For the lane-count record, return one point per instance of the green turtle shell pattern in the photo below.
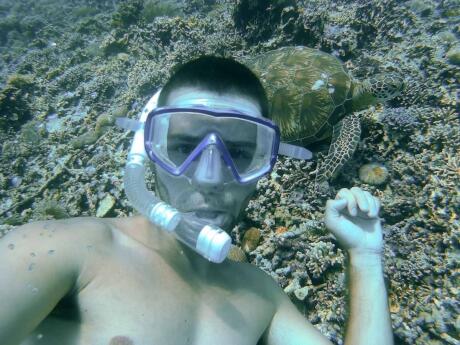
(306, 89)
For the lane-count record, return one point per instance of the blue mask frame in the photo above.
(211, 138)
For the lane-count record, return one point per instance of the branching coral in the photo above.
(399, 120)
(321, 256)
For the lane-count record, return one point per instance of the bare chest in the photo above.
(136, 302)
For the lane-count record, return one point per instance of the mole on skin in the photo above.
(121, 340)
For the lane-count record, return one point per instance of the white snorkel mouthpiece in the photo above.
(208, 240)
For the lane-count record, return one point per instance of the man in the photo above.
(125, 281)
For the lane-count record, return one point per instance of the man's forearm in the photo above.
(369, 321)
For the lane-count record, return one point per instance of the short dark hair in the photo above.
(217, 74)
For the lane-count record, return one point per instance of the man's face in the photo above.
(207, 188)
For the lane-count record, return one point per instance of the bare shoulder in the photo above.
(64, 233)
(260, 281)
(66, 240)
(41, 262)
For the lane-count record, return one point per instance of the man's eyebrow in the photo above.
(243, 143)
(184, 137)
(189, 137)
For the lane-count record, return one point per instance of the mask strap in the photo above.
(129, 124)
(293, 151)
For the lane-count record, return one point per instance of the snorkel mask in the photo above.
(232, 146)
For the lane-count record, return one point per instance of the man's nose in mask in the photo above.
(211, 170)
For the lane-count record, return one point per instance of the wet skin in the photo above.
(121, 340)
(137, 286)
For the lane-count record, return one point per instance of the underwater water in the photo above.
(68, 69)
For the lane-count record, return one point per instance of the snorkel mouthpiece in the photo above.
(209, 241)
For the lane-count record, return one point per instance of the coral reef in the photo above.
(236, 254)
(69, 69)
(250, 240)
(127, 13)
(50, 209)
(373, 173)
(14, 100)
(156, 8)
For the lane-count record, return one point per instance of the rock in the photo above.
(105, 205)
(453, 55)
(293, 286)
(54, 124)
(301, 293)
(395, 307)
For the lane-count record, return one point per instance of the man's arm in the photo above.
(369, 321)
(40, 263)
(353, 219)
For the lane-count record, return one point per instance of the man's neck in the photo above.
(161, 242)
(200, 265)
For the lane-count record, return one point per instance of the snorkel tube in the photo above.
(207, 240)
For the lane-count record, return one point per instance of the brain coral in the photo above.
(374, 174)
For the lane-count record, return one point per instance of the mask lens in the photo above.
(178, 138)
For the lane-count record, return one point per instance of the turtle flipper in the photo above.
(345, 138)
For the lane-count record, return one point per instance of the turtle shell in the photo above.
(306, 89)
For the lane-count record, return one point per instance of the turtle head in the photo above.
(385, 86)
(376, 89)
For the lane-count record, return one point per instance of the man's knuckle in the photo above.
(342, 191)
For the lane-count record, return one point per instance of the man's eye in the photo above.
(240, 153)
(182, 148)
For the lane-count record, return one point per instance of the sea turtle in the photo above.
(312, 97)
